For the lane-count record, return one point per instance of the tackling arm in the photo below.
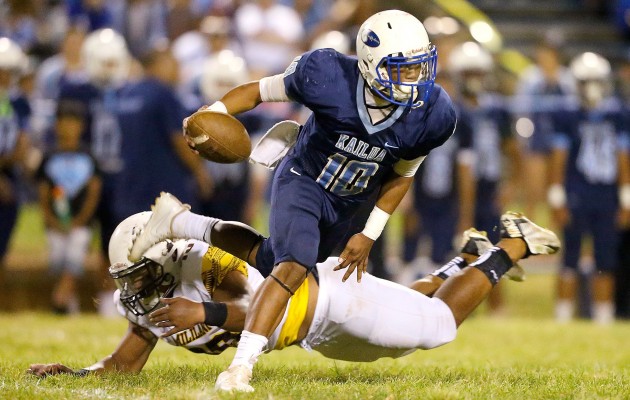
(130, 356)
(228, 308)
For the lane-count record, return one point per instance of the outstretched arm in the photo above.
(130, 356)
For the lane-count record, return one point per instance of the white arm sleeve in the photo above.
(272, 88)
(408, 168)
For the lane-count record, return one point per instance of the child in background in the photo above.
(69, 192)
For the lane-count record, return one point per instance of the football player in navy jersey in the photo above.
(442, 196)
(14, 114)
(590, 183)
(106, 60)
(484, 116)
(374, 120)
(149, 115)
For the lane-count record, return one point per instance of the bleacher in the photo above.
(523, 22)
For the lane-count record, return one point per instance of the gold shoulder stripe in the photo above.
(216, 264)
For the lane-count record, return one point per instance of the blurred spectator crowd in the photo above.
(93, 92)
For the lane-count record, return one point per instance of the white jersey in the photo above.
(374, 319)
(202, 267)
(352, 321)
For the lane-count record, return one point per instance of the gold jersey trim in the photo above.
(295, 317)
(216, 264)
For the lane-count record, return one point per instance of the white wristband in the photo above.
(375, 223)
(217, 106)
(556, 196)
(624, 196)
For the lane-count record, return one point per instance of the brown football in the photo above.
(218, 137)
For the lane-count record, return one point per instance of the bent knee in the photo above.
(443, 327)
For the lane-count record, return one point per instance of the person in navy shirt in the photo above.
(374, 120)
(442, 196)
(14, 115)
(233, 185)
(149, 116)
(590, 183)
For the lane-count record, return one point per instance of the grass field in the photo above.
(512, 358)
(525, 355)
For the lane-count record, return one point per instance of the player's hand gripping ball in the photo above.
(217, 137)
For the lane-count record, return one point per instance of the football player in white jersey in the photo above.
(195, 295)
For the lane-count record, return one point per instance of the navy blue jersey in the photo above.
(438, 173)
(101, 132)
(338, 146)
(593, 139)
(70, 171)
(14, 115)
(489, 123)
(149, 115)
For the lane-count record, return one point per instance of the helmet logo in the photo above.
(370, 38)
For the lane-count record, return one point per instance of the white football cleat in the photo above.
(476, 243)
(538, 239)
(234, 379)
(159, 226)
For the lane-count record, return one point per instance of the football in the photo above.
(218, 137)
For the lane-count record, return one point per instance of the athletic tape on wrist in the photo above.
(375, 224)
(215, 313)
(624, 196)
(556, 196)
(217, 106)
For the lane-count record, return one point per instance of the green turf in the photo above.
(525, 356)
(514, 358)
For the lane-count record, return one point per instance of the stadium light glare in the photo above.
(441, 26)
(482, 32)
(433, 25)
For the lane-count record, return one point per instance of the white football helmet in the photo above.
(470, 56)
(589, 67)
(141, 284)
(12, 57)
(470, 66)
(593, 73)
(222, 72)
(390, 43)
(105, 57)
(336, 40)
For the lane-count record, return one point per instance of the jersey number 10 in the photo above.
(345, 178)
